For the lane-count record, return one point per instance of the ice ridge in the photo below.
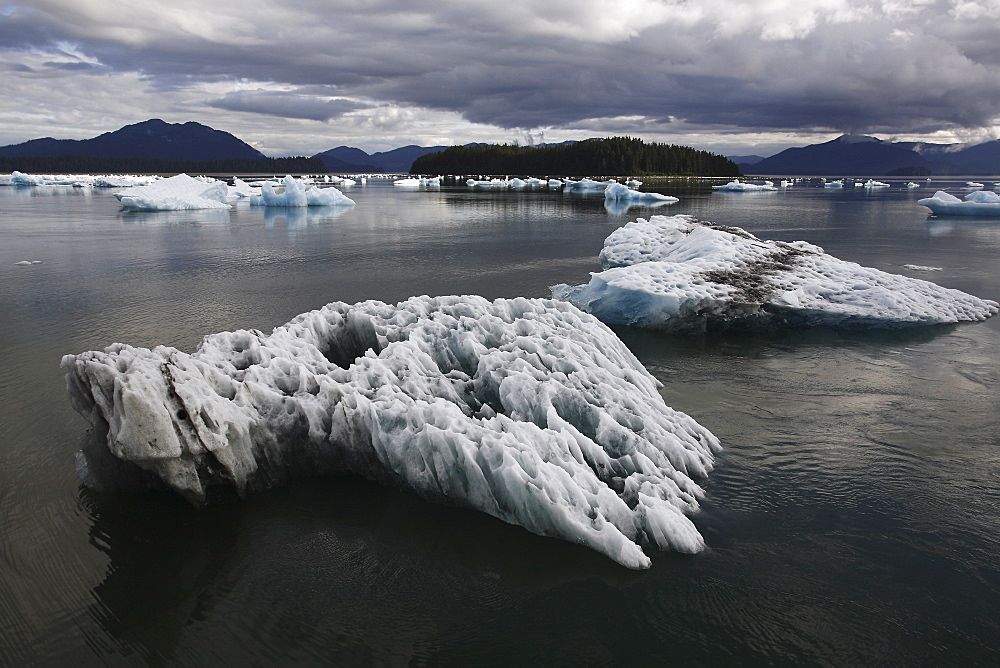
(528, 410)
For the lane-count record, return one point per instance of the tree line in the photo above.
(594, 157)
(83, 164)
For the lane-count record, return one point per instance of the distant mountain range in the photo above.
(848, 155)
(861, 155)
(150, 139)
(354, 160)
(157, 139)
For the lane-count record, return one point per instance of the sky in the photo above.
(735, 77)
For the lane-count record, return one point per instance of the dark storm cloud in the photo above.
(860, 65)
(285, 105)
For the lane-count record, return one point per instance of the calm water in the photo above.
(854, 516)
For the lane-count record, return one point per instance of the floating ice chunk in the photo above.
(737, 186)
(27, 263)
(677, 273)
(979, 203)
(555, 183)
(241, 189)
(633, 183)
(295, 194)
(871, 183)
(589, 185)
(618, 191)
(920, 267)
(526, 409)
(407, 183)
(176, 193)
(973, 184)
(833, 184)
(911, 184)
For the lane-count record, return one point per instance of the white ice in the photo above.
(180, 192)
(979, 203)
(526, 409)
(241, 190)
(833, 184)
(296, 194)
(407, 183)
(737, 186)
(589, 185)
(677, 273)
(871, 183)
(617, 191)
(78, 180)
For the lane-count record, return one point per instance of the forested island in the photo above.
(83, 164)
(593, 157)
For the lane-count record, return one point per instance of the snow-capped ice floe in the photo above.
(180, 192)
(871, 183)
(618, 191)
(738, 186)
(978, 203)
(679, 274)
(296, 194)
(526, 409)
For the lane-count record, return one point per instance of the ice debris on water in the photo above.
(676, 273)
(296, 194)
(526, 409)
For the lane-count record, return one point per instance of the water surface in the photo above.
(852, 518)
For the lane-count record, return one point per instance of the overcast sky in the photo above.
(730, 76)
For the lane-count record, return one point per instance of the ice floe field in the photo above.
(475, 420)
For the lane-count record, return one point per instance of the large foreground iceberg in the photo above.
(177, 193)
(528, 410)
(677, 273)
(295, 194)
(979, 203)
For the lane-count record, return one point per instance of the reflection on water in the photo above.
(852, 517)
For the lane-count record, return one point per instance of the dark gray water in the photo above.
(854, 516)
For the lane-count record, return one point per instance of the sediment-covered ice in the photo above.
(296, 194)
(177, 193)
(677, 273)
(978, 203)
(526, 409)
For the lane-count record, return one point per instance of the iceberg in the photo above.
(737, 186)
(407, 183)
(526, 409)
(241, 190)
(679, 274)
(871, 183)
(979, 203)
(589, 185)
(618, 194)
(833, 184)
(177, 193)
(295, 194)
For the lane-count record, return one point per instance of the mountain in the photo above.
(745, 159)
(396, 161)
(861, 155)
(149, 139)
